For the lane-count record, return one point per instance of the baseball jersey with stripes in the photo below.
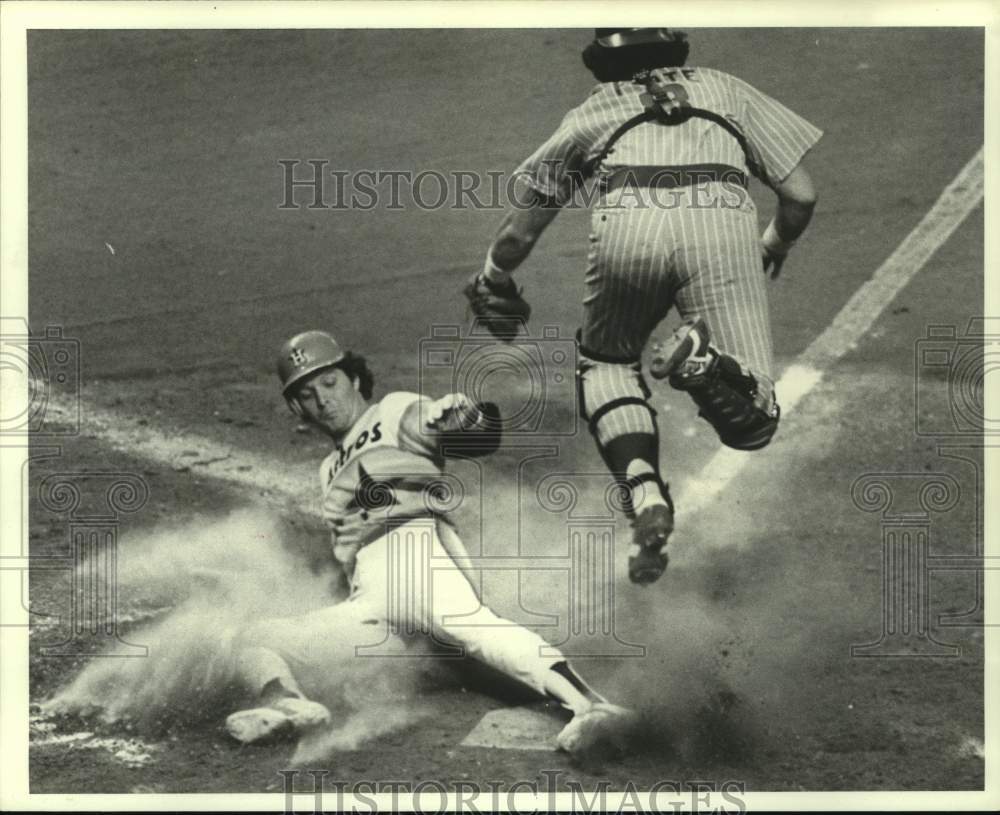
(777, 137)
(653, 250)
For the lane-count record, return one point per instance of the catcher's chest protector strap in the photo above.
(728, 400)
(655, 113)
(648, 115)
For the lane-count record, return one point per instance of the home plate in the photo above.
(518, 728)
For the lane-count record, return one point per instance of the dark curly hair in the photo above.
(356, 367)
(622, 63)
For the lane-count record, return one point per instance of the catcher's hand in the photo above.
(773, 262)
(774, 249)
(499, 307)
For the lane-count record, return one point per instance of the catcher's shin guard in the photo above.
(729, 398)
(613, 397)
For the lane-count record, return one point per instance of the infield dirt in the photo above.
(156, 239)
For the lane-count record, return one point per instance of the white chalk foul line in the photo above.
(291, 486)
(857, 316)
(132, 752)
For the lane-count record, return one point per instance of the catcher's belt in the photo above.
(668, 178)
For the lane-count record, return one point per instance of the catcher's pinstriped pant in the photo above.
(645, 259)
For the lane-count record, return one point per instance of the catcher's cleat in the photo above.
(686, 348)
(604, 722)
(285, 717)
(652, 528)
(741, 407)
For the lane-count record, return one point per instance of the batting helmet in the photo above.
(304, 354)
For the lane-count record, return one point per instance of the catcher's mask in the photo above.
(616, 54)
(303, 355)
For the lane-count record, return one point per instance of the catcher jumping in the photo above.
(670, 147)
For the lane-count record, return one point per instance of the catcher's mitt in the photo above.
(498, 307)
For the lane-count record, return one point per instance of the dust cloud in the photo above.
(741, 633)
(214, 576)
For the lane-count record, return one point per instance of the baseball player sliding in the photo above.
(670, 147)
(388, 524)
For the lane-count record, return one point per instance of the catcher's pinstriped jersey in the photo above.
(694, 247)
(777, 137)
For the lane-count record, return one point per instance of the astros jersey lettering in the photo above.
(380, 470)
